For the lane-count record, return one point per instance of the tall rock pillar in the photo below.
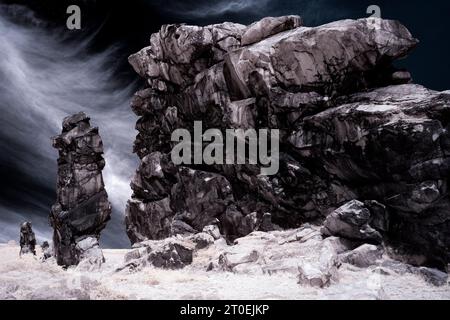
(82, 207)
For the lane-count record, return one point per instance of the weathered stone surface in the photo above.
(276, 252)
(269, 26)
(82, 207)
(212, 230)
(398, 267)
(351, 221)
(364, 256)
(27, 239)
(228, 261)
(90, 256)
(392, 143)
(319, 272)
(202, 240)
(200, 197)
(148, 220)
(179, 52)
(299, 255)
(433, 276)
(171, 253)
(318, 59)
(351, 125)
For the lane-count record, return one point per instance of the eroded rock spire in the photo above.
(82, 207)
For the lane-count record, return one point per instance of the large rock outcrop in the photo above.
(352, 127)
(82, 207)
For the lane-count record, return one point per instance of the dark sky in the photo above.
(47, 72)
(131, 22)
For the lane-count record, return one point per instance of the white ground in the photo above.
(28, 278)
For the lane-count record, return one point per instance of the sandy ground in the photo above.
(29, 278)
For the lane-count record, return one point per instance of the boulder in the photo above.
(273, 252)
(202, 240)
(351, 221)
(170, 253)
(322, 271)
(364, 256)
(228, 261)
(433, 276)
(213, 231)
(89, 254)
(398, 267)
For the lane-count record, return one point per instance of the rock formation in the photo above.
(47, 252)
(82, 208)
(27, 239)
(351, 221)
(352, 129)
(296, 253)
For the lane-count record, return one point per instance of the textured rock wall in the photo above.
(82, 208)
(352, 127)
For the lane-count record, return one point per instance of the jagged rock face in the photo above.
(82, 208)
(391, 144)
(27, 239)
(352, 127)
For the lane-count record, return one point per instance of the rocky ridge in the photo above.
(355, 134)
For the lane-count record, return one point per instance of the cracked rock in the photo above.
(322, 271)
(352, 126)
(351, 221)
(82, 208)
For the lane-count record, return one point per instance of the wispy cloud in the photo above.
(43, 78)
(219, 8)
